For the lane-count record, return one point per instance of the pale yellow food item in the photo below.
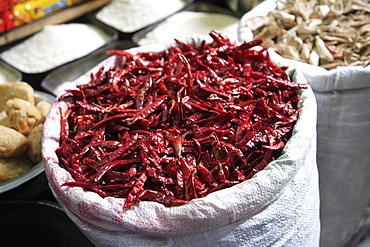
(21, 90)
(44, 108)
(21, 124)
(4, 120)
(23, 115)
(34, 141)
(11, 168)
(12, 143)
(325, 33)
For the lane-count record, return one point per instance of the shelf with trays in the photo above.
(61, 16)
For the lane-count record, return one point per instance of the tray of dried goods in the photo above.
(128, 17)
(196, 20)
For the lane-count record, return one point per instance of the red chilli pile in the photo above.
(177, 125)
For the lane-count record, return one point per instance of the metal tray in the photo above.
(60, 78)
(195, 7)
(128, 35)
(113, 36)
(60, 16)
(9, 73)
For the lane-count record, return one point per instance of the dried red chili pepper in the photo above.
(180, 124)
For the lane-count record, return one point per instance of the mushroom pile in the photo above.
(325, 33)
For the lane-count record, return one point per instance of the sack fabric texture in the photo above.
(343, 143)
(343, 156)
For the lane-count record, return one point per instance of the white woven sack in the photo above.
(343, 151)
(279, 206)
(343, 99)
(343, 137)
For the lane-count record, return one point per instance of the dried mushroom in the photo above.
(326, 33)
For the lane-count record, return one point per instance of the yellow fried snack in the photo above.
(4, 120)
(12, 143)
(13, 167)
(21, 90)
(34, 141)
(44, 108)
(21, 124)
(23, 115)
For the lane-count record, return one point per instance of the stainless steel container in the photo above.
(242, 6)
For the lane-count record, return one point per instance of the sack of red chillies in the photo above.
(188, 144)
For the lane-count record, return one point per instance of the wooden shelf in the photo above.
(61, 16)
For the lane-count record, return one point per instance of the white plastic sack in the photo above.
(343, 134)
(279, 206)
(343, 99)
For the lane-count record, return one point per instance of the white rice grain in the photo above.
(131, 15)
(187, 24)
(53, 46)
